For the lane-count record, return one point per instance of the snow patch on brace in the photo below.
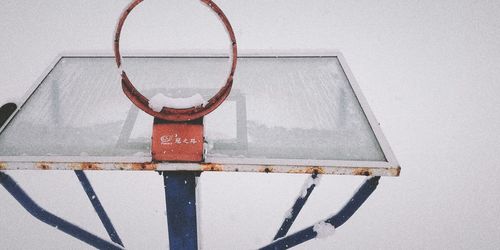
(309, 182)
(323, 229)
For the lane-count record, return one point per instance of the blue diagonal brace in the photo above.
(99, 209)
(294, 212)
(337, 220)
(50, 219)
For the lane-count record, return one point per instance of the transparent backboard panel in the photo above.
(300, 108)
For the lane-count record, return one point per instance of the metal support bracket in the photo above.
(180, 197)
(99, 209)
(295, 210)
(51, 219)
(361, 195)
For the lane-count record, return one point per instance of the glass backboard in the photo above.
(287, 114)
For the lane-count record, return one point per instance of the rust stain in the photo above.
(43, 165)
(296, 171)
(362, 171)
(144, 166)
(212, 167)
(395, 171)
(266, 169)
(308, 170)
(316, 170)
(3, 165)
(122, 166)
(89, 166)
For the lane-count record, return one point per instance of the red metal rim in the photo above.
(173, 114)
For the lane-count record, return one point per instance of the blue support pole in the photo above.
(180, 198)
(337, 220)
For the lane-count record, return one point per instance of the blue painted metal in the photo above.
(337, 220)
(180, 198)
(99, 209)
(50, 219)
(6, 111)
(299, 203)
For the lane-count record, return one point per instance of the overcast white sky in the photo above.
(429, 70)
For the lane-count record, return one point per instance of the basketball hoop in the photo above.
(177, 124)
(168, 113)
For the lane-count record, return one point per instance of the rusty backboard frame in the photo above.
(389, 167)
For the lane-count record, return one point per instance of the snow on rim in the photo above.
(159, 101)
